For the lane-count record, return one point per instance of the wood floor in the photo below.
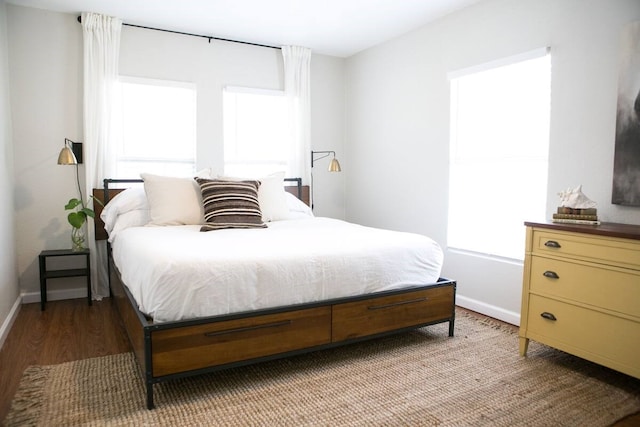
(72, 330)
(66, 330)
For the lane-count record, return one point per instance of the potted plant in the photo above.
(77, 219)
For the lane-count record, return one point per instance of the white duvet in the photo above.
(178, 272)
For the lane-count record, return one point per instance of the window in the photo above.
(499, 144)
(155, 123)
(256, 132)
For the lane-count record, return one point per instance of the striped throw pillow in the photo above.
(230, 204)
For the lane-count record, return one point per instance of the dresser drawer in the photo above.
(201, 346)
(602, 338)
(373, 316)
(616, 290)
(620, 252)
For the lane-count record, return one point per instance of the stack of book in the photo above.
(576, 216)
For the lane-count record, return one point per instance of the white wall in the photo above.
(45, 63)
(8, 267)
(46, 81)
(398, 119)
(327, 133)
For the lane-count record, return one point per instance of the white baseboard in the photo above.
(488, 310)
(8, 322)
(55, 295)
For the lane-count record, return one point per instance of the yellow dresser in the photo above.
(581, 292)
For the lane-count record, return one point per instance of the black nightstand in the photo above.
(69, 272)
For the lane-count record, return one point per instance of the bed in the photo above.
(326, 283)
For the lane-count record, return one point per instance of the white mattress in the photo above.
(178, 272)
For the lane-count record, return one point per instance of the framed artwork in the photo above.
(626, 165)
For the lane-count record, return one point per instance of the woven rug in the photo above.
(418, 378)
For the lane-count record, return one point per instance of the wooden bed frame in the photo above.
(171, 350)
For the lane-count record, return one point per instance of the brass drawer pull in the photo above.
(411, 301)
(551, 274)
(548, 316)
(552, 244)
(248, 328)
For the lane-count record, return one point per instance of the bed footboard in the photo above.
(172, 350)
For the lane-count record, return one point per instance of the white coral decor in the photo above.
(575, 198)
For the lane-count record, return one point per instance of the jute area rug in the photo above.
(418, 378)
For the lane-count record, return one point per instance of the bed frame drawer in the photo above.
(203, 346)
(374, 316)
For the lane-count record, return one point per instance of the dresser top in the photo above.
(611, 229)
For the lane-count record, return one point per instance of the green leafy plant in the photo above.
(78, 217)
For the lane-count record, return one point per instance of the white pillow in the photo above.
(271, 196)
(173, 201)
(128, 200)
(272, 199)
(297, 206)
(133, 218)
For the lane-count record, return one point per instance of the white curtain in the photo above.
(101, 36)
(297, 86)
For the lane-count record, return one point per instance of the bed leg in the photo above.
(150, 404)
(451, 325)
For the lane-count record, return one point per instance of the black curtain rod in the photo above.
(195, 35)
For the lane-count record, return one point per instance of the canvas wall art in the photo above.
(626, 167)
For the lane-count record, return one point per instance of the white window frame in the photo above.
(185, 163)
(495, 230)
(236, 164)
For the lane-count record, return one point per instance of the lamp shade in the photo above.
(334, 165)
(67, 157)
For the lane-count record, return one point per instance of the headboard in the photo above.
(291, 185)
